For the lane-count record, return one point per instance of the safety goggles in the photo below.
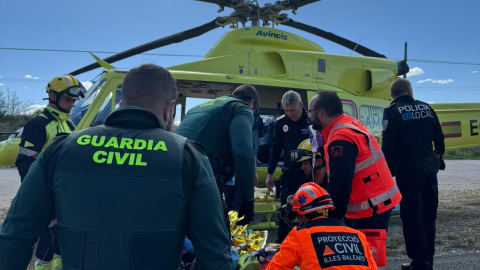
(74, 91)
(296, 155)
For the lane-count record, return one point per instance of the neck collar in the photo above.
(59, 115)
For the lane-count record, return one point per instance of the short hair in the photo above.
(148, 86)
(400, 87)
(291, 97)
(246, 93)
(328, 101)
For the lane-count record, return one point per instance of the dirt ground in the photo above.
(458, 219)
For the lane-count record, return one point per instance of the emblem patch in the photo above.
(285, 128)
(385, 124)
(336, 151)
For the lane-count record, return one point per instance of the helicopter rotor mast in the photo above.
(244, 11)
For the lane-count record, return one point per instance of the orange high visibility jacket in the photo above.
(373, 187)
(324, 243)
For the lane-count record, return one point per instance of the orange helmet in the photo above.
(311, 197)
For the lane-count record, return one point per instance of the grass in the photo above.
(469, 153)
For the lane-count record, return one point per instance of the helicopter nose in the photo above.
(403, 67)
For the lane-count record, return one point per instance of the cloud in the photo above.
(87, 84)
(447, 81)
(475, 71)
(437, 81)
(28, 76)
(33, 108)
(415, 71)
(1, 84)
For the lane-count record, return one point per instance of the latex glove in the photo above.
(269, 181)
(187, 244)
(246, 211)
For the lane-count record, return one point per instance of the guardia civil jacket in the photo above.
(224, 126)
(125, 195)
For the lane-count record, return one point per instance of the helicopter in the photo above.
(274, 61)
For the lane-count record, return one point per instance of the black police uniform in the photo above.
(409, 127)
(125, 195)
(288, 135)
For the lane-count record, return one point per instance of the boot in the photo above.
(406, 266)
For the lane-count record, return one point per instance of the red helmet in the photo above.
(311, 197)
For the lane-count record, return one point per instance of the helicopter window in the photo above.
(349, 108)
(321, 66)
(103, 112)
(372, 117)
(82, 105)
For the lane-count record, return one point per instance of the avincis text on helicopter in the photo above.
(271, 34)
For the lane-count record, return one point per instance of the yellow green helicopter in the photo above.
(274, 61)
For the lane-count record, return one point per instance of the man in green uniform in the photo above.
(125, 193)
(224, 126)
(37, 134)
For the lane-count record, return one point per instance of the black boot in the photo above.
(407, 266)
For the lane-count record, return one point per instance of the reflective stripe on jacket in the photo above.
(373, 188)
(324, 243)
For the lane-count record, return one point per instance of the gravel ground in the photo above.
(458, 222)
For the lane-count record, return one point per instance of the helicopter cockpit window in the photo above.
(82, 105)
(106, 107)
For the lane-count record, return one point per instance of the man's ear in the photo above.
(167, 110)
(251, 104)
(300, 104)
(52, 96)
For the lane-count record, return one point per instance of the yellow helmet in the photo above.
(303, 152)
(66, 85)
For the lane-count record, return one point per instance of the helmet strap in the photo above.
(55, 102)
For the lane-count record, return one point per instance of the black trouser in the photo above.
(376, 221)
(290, 182)
(417, 181)
(221, 189)
(48, 244)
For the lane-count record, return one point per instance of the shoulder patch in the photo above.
(281, 117)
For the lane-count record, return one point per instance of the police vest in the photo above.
(208, 124)
(373, 188)
(107, 172)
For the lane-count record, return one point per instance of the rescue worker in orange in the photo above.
(321, 242)
(360, 183)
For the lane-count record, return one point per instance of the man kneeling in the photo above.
(320, 242)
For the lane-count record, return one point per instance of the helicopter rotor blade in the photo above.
(300, 3)
(218, 2)
(175, 38)
(334, 38)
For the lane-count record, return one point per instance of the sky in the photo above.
(443, 38)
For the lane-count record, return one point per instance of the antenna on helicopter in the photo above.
(356, 45)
